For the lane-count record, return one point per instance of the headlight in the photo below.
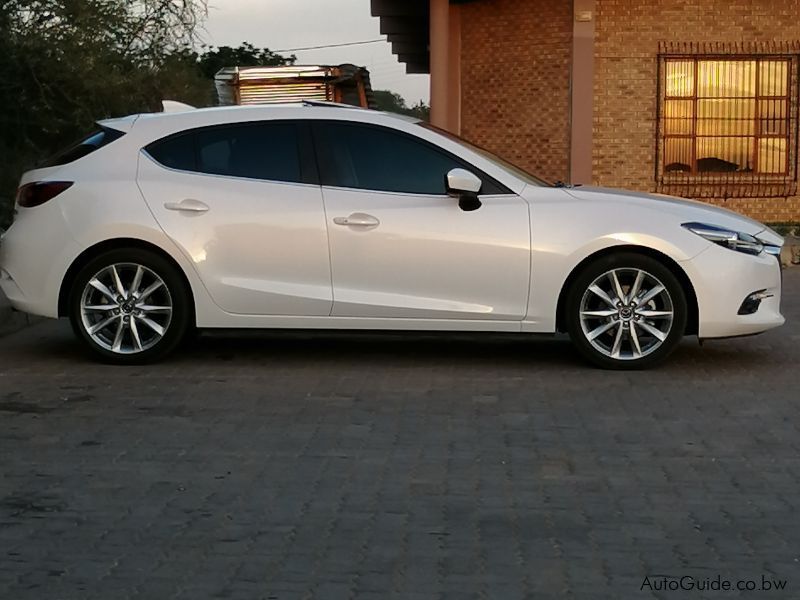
(734, 240)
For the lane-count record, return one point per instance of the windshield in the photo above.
(493, 158)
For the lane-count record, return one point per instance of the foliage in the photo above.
(394, 102)
(389, 101)
(246, 55)
(421, 111)
(66, 63)
(785, 228)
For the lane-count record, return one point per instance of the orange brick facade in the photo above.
(516, 64)
(515, 81)
(627, 34)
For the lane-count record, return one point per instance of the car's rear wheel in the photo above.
(130, 306)
(626, 311)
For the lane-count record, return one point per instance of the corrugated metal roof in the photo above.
(267, 85)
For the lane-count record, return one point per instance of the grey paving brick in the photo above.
(292, 466)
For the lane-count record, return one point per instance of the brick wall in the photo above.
(515, 80)
(627, 34)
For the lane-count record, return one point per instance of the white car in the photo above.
(313, 216)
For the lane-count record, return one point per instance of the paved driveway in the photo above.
(297, 466)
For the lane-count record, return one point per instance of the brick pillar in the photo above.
(582, 92)
(439, 46)
(454, 72)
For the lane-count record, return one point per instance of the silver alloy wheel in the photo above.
(626, 314)
(126, 308)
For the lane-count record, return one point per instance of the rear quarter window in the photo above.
(175, 152)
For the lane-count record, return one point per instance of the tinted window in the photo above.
(268, 151)
(93, 141)
(376, 158)
(176, 152)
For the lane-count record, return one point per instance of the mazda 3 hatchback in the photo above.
(310, 216)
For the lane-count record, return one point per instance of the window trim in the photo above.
(322, 155)
(309, 172)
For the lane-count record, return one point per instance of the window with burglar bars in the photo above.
(728, 125)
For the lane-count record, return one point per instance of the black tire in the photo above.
(625, 325)
(174, 292)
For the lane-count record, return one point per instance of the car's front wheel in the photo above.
(626, 311)
(130, 306)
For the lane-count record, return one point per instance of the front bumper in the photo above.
(723, 279)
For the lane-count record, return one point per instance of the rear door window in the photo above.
(270, 151)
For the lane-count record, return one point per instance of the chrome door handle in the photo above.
(357, 220)
(187, 205)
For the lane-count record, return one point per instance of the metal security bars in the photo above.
(727, 122)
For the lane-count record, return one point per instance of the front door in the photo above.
(401, 248)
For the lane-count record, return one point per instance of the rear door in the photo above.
(243, 203)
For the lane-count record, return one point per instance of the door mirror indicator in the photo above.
(465, 186)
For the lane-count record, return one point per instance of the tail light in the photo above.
(37, 193)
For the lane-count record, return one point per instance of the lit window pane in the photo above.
(772, 155)
(680, 78)
(726, 78)
(726, 117)
(725, 154)
(773, 109)
(773, 77)
(677, 155)
(678, 116)
(773, 117)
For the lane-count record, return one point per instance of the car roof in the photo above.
(188, 117)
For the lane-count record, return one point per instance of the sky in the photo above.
(283, 24)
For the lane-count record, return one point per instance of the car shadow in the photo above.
(425, 349)
(53, 343)
(380, 348)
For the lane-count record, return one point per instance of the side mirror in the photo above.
(465, 186)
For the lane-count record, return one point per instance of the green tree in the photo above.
(66, 63)
(393, 102)
(390, 101)
(421, 111)
(211, 60)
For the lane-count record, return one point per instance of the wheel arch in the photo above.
(667, 261)
(116, 244)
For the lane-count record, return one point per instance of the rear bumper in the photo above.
(33, 264)
(11, 290)
(723, 280)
